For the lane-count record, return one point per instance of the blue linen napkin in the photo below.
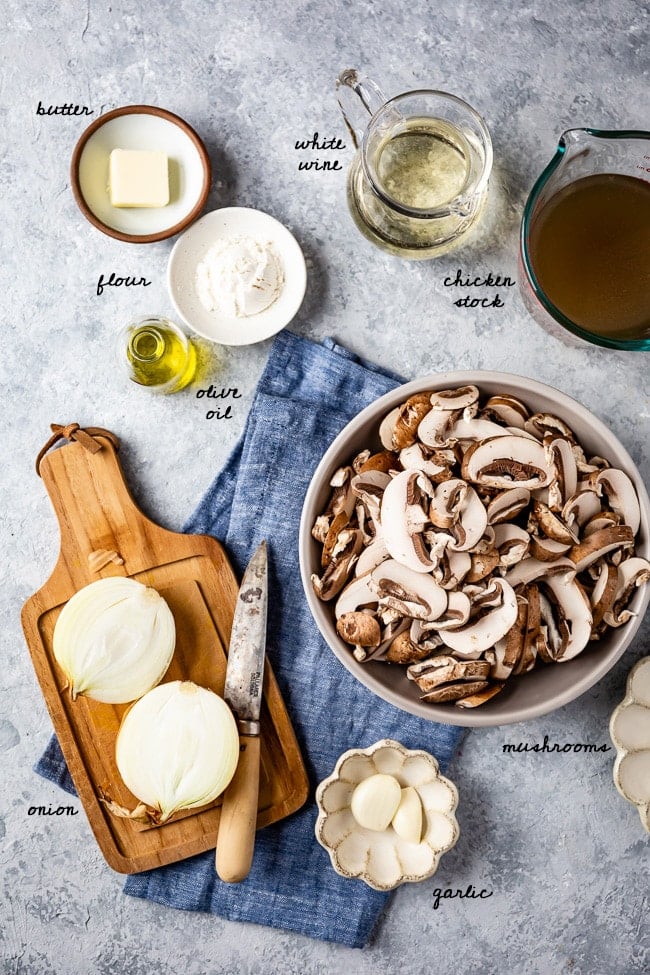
(305, 396)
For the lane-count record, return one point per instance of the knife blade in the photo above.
(243, 692)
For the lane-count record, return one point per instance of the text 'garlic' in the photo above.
(114, 640)
(177, 748)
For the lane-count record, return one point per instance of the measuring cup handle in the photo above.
(355, 93)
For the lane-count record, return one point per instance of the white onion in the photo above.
(114, 640)
(177, 748)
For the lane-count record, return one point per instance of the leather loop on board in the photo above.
(86, 436)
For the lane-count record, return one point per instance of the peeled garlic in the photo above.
(114, 640)
(407, 821)
(375, 801)
(177, 748)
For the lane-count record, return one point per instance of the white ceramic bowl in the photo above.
(190, 249)
(530, 695)
(141, 127)
(630, 732)
(384, 860)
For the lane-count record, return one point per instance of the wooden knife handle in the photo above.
(236, 838)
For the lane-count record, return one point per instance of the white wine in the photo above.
(423, 163)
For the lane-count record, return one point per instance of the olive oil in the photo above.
(589, 249)
(159, 355)
(424, 163)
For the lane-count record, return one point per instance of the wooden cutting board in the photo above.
(98, 517)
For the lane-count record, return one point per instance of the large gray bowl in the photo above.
(530, 695)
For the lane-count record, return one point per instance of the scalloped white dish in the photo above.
(384, 860)
(630, 731)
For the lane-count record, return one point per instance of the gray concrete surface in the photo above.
(565, 856)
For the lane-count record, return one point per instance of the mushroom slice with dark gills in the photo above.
(507, 651)
(551, 525)
(506, 462)
(435, 464)
(506, 505)
(411, 593)
(561, 459)
(512, 544)
(342, 559)
(541, 425)
(482, 632)
(631, 574)
(404, 650)
(621, 495)
(507, 409)
(570, 619)
(603, 594)
(600, 543)
(341, 501)
(403, 516)
(444, 678)
(457, 507)
(480, 697)
(454, 399)
(409, 416)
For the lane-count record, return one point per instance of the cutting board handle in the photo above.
(103, 533)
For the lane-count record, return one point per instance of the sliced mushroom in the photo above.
(408, 419)
(330, 540)
(355, 595)
(344, 554)
(387, 428)
(543, 424)
(455, 692)
(560, 456)
(509, 649)
(480, 697)
(547, 549)
(506, 505)
(512, 544)
(483, 565)
(504, 462)
(457, 612)
(454, 399)
(404, 651)
(430, 674)
(575, 613)
(507, 409)
(410, 593)
(475, 428)
(384, 461)
(621, 495)
(603, 594)
(551, 524)
(579, 508)
(603, 520)
(360, 629)
(430, 462)
(600, 543)
(631, 574)
(373, 555)
(403, 517)
(530, 569)
(485, 631)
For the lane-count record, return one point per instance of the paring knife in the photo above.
(243, 692)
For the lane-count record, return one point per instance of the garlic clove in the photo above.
(375, 801)
(407, 821)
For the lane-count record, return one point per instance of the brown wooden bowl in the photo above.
(141, 127)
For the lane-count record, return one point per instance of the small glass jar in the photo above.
(155, 353)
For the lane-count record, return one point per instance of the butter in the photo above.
(138, 178)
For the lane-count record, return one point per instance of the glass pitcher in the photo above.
(419, 180)
(585, 240)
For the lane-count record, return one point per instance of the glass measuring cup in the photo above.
(605, 298)
(419, 180)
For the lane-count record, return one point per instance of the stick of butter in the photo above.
(138, 178)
